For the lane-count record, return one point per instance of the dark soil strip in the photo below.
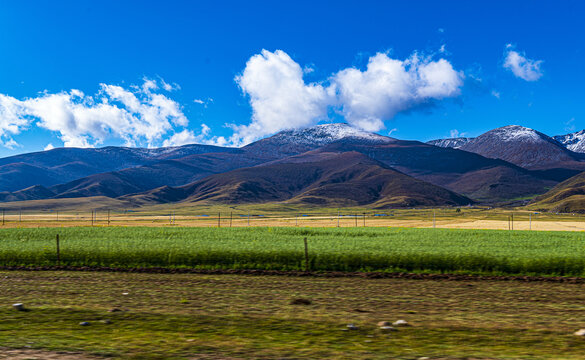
(324, 274)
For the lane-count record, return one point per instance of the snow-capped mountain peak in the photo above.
(516, 133)
(328, 133)
(454, 143)
(573, 141)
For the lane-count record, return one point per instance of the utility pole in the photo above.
(364, 219)
(530, 222)
(219, 219)
(337, 217)
(92, 217)
(108, 217)
(355, 216)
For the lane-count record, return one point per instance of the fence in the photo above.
(427, 218)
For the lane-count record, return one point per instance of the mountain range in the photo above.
(325, 165)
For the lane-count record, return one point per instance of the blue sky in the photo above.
(200, 51)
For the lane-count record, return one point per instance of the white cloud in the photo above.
(49, 147)
(279, 96)
(281, 99)
(520, 66)
(11, 121)
(189, 137)
(455, 133)
(496, 94)
(389, 86)
(139, 115)
(205, 102)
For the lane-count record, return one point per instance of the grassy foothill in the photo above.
(330, 249)
(190, 316)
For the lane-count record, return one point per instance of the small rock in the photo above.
(352, 327)
(400, 323)
(18, 306)
(387, 328)
(115, 310)
(84, 323)
(383, 323)
(580, 332)
(424, 358)
(124, 293)
(301, 302)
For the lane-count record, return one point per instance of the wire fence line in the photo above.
(435, 218)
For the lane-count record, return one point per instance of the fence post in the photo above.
(58, 252)
(306, 256)
(434, 220)
(219, 219)
(92, 217)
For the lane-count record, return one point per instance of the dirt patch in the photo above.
(31, 354)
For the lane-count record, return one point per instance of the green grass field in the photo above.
(330, 249)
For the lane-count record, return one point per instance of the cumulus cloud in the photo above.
(522, 67)
(138, 115)
(281, 99)
(279, 96)
(389, 86)
(455, 133)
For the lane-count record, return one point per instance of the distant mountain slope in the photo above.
(332, 179)
(454, 143)
(469, 174)
(568, 196)
(36, 192)
(292, 142)
(524, 147)
(62, 165)
(573, 141)
(463, 172)
(184, 170)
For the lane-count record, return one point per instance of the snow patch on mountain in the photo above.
(328, 133)
(454, 143)
(573, 141)
(516, 133)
